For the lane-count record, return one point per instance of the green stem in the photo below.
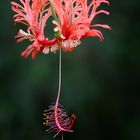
(53, 12)
(58, 33)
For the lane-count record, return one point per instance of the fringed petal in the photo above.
(33, 14)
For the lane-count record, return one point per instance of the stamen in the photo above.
(64, 120)
(55, 117)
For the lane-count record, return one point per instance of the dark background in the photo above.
(100, 83)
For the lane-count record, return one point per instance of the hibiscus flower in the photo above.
(72, 20)
(75, 21)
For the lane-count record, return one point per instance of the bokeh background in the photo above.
(100, 83)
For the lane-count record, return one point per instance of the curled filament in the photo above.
(57, 120)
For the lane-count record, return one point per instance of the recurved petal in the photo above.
(27, 51)
(102, 26)
(95, 33)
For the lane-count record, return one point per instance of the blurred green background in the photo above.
(100, 83)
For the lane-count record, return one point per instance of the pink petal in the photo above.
(102, 25)
(95, 33)
(27, 51)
